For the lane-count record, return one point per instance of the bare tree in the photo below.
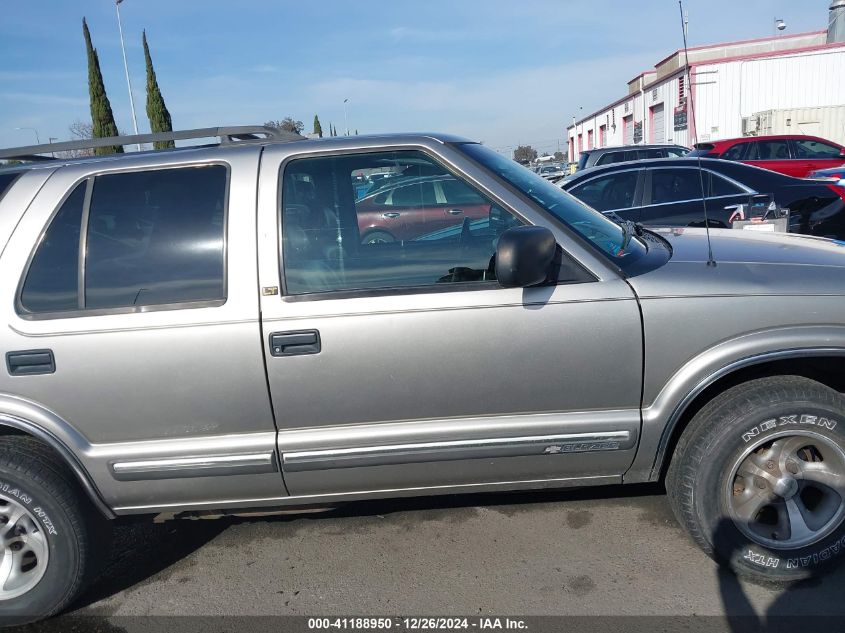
(288, 124)
(81, 131)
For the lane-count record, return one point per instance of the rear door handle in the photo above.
(390, 215)
(30, 362)
(295, 343)
(455, 211)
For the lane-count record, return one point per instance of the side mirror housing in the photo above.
(524, 256)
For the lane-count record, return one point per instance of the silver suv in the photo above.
(204, 331)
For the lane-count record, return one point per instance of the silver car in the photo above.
(202, 331)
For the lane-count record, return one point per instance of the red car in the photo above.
(417, 206)
(793, 155)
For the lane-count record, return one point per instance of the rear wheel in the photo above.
(758, 478)
(378, 237)
(47, 533)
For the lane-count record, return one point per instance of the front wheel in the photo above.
(46, 527)
(758, 478)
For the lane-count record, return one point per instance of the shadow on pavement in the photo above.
(142, 549)
(808, 604)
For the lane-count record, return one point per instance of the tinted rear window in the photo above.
(156, 237)
(582, 159)
(52, 282)
(153, 237)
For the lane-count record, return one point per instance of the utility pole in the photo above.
(34, 130)
(126, 68)
(346, 116)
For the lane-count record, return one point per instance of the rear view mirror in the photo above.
(524, 256)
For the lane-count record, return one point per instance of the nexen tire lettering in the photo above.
(783, 420)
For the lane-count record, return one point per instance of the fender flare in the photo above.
(742, 363)
(68, 457)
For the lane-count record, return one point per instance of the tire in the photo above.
(60, 525)
(378, 237)
(748, 461)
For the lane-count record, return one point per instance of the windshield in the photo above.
(598, 229)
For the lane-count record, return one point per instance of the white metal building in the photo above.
(790, 84)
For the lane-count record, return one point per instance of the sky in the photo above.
(505, 72)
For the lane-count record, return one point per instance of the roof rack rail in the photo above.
(226, 135)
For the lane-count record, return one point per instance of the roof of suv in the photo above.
(617, 148)
(327, 143)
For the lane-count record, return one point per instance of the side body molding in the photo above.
(661, 416)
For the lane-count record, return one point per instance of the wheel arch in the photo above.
(15, 425)
(823, 364)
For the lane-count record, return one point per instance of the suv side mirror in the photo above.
(524, 256)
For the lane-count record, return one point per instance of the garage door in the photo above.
(658, 134)
(628, 127)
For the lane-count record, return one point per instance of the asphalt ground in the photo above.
(613, 551)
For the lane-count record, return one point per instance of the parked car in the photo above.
(599, 156)
(668, 192)
(551, 171)
(198, 332)
(411, 207)
(793, 155)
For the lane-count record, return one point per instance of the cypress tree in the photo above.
(156, 110)
(318, 129)
(102, 118)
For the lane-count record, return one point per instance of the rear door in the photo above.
(776, 155)
(405, 366)
(135, 279)
(673, 197)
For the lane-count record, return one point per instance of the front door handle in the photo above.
(455, 211)
(390, 215)
(30, 362)
(295, 343)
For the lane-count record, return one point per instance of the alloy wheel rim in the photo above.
(25, 550)
(788, 491)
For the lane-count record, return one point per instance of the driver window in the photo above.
(384, 220)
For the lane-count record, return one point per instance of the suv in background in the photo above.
(794, 155)
(609, 155)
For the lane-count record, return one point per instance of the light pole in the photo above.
(346, 116)
(34, 130)
(126, 68)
